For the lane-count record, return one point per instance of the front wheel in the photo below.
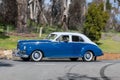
(36, 56)
(88, 56)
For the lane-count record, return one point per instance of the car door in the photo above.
(77, 44)
(62, 47)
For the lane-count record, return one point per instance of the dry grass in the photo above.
(5, 54)
(109, 56)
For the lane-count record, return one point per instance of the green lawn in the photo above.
(107, 45)
(110, 43)
(10, 42)
(110, 46)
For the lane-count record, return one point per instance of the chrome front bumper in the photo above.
(18, 53)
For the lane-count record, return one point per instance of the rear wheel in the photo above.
(36, 56)
(88, 56)
(73, 59)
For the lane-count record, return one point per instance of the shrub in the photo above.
(95, 21)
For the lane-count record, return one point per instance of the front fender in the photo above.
(93, 48)
(32, 47)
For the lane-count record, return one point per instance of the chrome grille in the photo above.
(17, 46)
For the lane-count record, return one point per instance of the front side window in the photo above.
(77, 39)
(52, 36)
(63, 38)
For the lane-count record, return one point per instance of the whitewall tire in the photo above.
(88, 56)
(36, 56)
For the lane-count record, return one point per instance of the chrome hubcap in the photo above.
(36, 55)
(88, 56)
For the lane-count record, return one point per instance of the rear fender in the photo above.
(93, 48)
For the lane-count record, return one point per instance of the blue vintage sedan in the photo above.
(58, 45)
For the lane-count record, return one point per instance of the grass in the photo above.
(10, 42)
(7, 43)
(108, 45)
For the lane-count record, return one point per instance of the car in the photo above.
(59, 45)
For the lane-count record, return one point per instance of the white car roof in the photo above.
(86, 39)
(67, 33)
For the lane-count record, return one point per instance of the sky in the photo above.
(47, 1)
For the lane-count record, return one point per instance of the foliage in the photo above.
(49, 29)
(95, 21)
(32, 26)
(108, 5)
(6, 27)
(35, 27)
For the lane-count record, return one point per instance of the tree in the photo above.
(108, 5)
(118, 2)
(65, 15)
(95, 21)
(37, 12)
(56, 11)
(22, 6)
(8, 12)
(77, 14)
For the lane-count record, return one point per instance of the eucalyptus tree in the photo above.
(8, 13)
(60, 12)
(56, 12)
(77, 12)
(70, 13)
(22, 15)
(65, 15)
(36, 11)
(118, 1)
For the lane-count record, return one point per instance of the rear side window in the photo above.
(77, 39)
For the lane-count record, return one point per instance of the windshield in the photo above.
(51, 36)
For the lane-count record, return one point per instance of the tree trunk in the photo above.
(36, 11)
(22, 16)
(65, 16)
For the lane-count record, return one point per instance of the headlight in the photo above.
(24, 47)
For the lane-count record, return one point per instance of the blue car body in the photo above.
(56, 48)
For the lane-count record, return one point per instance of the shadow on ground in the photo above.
(2, 64)
(56, 60)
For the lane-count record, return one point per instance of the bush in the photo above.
(95, 22)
